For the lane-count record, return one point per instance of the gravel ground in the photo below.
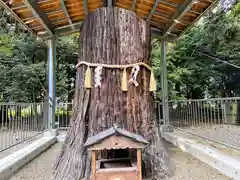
(187, 167)
(229, 134)
(41, 167)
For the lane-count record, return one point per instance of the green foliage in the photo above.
(192, 73)
(23, 62)
(30, 111)
(67, 55)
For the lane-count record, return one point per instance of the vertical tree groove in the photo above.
(112, 36)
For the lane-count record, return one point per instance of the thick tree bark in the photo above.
(112, 36)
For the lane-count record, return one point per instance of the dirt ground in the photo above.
(187, 167)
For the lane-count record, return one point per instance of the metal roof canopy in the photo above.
(169, 19)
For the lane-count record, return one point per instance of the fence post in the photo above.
(51, 81)
(224, 112)
(164, 90)
(164, 84)
(45, 113)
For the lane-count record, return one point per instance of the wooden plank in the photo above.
(138, 11)
(66, 12)
(139, 164)
(157, 16)
(166, 8)
(40, 15)
(58, 14)
(53, 4)
(134, 5)
(81, 4)
(85, 6)
(78, 18)
(47, 1)
(178, 15)
(22, 10)
(153, 10)
(196, 19)
(163, 4)
(80, 8)
(77, 14)
(94, 161)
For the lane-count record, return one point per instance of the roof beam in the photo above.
(66, 13)
(214, 2)
(28, 19)
(178, 15)
(85, 7)
(64, 30)
(60, 21)
(18, 7)
(169, 4)
(195, 12)
(44, 1)
(153, 9)
(158, 34)
(37, 27)
(134, 5)
(40, 15)
(110, 3)
(16, 16)
(161, 14)
(67, 26)
(55, 11)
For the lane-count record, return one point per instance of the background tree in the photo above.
(23, 61)
(198, 64)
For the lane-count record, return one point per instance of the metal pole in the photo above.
(110, 3)
(164, 84)
(51, 81)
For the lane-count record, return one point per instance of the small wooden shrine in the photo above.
(123, 168)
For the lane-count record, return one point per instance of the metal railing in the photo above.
(63, 115)
(19, 122)
(216, 120)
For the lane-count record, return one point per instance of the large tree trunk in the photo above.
(112, 36)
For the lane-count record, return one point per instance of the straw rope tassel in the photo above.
(88, 78)
(153, 84)
(124, 81)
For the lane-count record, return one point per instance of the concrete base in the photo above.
(227, 163)
(52, 132)
(164, 128)
(61, 138)
(61, 135)
(16, 160)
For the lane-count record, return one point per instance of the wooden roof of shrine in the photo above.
(116, 143)
(168, 18)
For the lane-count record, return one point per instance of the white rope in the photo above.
(98, 78)
(134, 74)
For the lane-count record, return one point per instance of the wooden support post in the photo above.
(139, 164)
(94, 159)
